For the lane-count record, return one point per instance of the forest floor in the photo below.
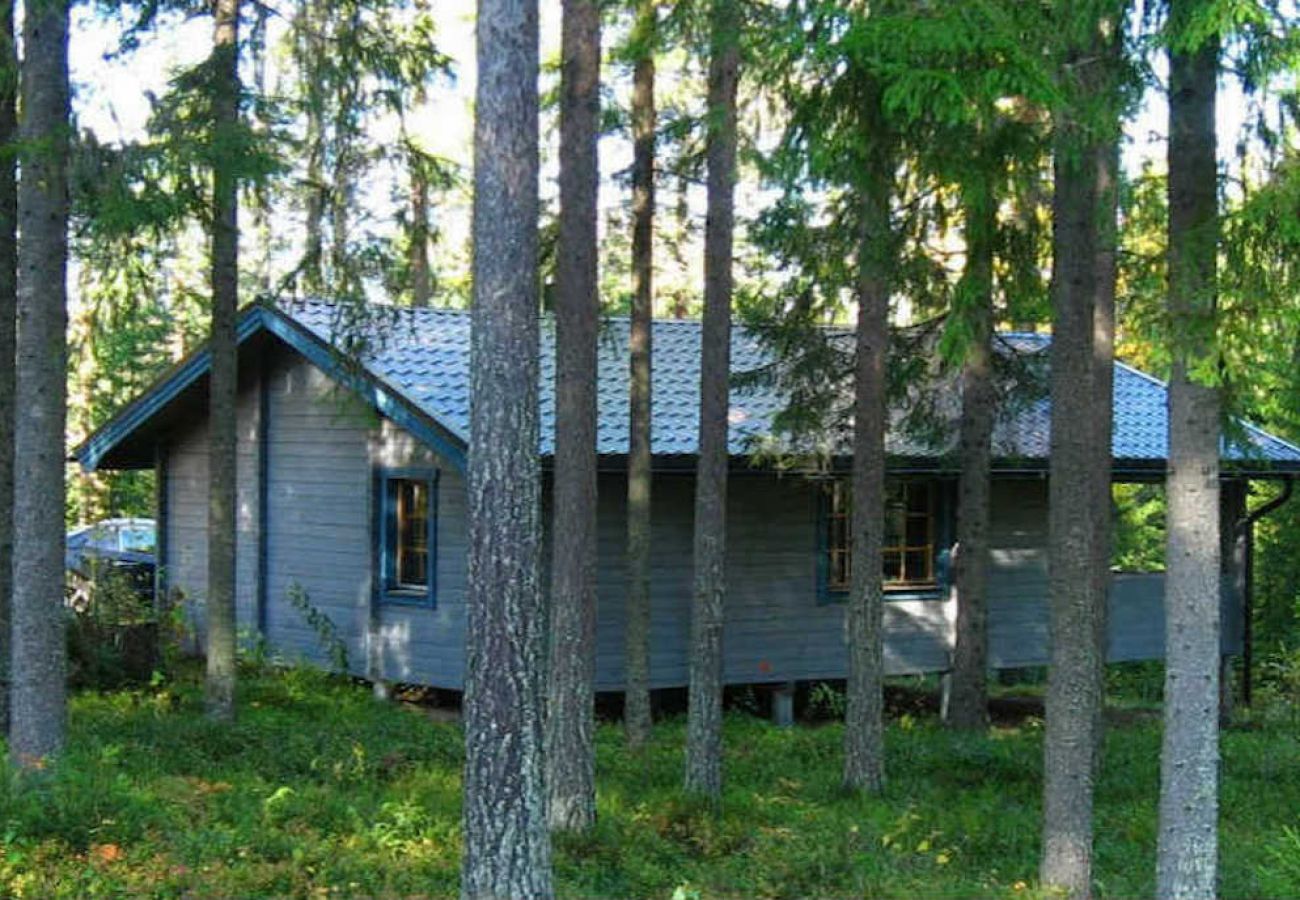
(318, 790)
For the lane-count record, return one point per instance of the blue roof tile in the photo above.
(423, 354)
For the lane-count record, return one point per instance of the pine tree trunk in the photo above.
(311, 25)
(507, 844)
(421, 271)
(38, 706)
(968, 702)
(1187, 853)
(1073, 707)
(636, 712)
(704, 723)
(864, 723)
(261, 225)
(570, 717)
(1103, 386)
(343, 279)
(8, 336)
(421, 275)
(219, 685)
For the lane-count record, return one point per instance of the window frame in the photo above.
(938, 532)
(386, 535)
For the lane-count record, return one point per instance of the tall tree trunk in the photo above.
(8, 334)
(507, 845)
(219, 686)
(421, 271)
(636, 712)
(39, 700)
(1189, 758)
(343, 277)
(704, 723)
(864, 724)
(310, 46)
(1083, 284)
(570, 747)
(262, 227)
(1103, 387)
(418, 253)
(968, 702)
(1074, 695)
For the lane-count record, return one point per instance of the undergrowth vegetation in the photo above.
(318, 789)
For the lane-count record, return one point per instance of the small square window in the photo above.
(908, 546)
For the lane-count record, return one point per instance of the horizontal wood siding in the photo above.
(187, 512)
(318, 512)
(418, 644)
(323, 449)
(322, 446)
(1018, 603)
(775, 628)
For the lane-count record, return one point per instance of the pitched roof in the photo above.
(414, 366)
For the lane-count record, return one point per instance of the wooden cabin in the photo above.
(353, 442)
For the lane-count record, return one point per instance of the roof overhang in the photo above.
(129, 439)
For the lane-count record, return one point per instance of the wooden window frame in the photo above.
(388, 536)
(835, 507)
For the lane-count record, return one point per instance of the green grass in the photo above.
(319, 790)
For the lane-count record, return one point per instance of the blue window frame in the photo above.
(915, 556)
(406, 535)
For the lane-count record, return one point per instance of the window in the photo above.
(407, 534)
(909, 537)
(137, 538)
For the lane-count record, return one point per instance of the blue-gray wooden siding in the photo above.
(323, 447)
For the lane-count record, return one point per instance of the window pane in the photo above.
(915, 567)
(840, 573)
(893, 566)
(908, 536)
(138, 539)
(894, 525)
(918, 531)
(412, 537)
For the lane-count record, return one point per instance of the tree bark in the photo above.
(968, 702)
(507, 845)
(39, 699)
(344, 280)
(311, 48)
(1076, 591)
(1103, 386)
(864, 724)
(8, 335)
(421, 271)
(570, 719)
(636, 712)
(1187, 850)
(219, 685)
(704, 722)
(261, 224)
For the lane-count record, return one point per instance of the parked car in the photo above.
(126, 546)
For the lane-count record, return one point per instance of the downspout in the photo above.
(1246, 531)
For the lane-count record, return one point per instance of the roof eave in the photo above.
(387, 401)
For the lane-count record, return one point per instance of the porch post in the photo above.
(783, 705)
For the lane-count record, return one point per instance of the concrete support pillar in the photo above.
(783, 705)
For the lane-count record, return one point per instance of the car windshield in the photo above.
(138, 539)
